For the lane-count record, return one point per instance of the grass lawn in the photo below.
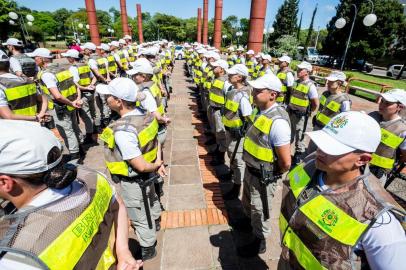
(388, 81)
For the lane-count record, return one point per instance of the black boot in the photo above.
(233, 193)
(148, 253)
(159, 188)
(218, 159)
(225, 177)
(257, 246)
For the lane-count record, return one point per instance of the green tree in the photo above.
(299, 28)
(286, 44)
(5, 8)
(286, 19)
(44, 25)
(60, 16)
(367, 42)
(310, 31)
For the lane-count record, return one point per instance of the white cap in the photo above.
(13, 42)
(305, 65)
(3, 57)
(212, 54)
(285, 58)
(71, 53)
(395, 95)
(201, 51)
(347, 132)
(239, 69)
(24, 148)
(121, 41)
(89, 45)
(251, 52)
(122, 88)
(104, 47)
(268, 81)
(41, 52)
(141, 65)
(267, 57)
(127, 37)
(231, 48)
(240, 49)
(336, 76)
(115, 43)
(258, 55)
(220, 63)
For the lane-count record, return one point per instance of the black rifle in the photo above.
(266, 178)
(396, 172)
(143, 185)
(306, 121)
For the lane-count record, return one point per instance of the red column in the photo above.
(205, 21)
(92, 20)
(139, 15)
(217, 24)
(124, 19)
(199, 25)
(257, 20)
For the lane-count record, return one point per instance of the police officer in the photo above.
(266, 66)
(285, 74)
(19, 97)
(119, 56)
(231, 58)
(84, 80)
(302, 101)
(240, 59)
(258, 66)
(132, 154)
(104, 77)
(266, 152)
(20, 63)
(251, 62)
(218, 90)
(392, 149)
(334, 213)
(237, 109)
(57, 81)
(48, 203)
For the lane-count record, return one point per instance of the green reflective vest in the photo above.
(84, 74)
(299, 99)
(146, 129)
(216, 92)
(123, 60)
(231, 115)
(112, 63)
(319, 230)
(21, 95)
(330, 106)
(282, 75)
(102, 66)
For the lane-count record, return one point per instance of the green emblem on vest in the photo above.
(328, 219)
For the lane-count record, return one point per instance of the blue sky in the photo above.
(188, 8)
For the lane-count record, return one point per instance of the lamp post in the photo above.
(14, 16)
(210, 38)
(224, 40)
(238, 34)
(368, 20)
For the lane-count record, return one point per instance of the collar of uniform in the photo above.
(270, 108)
(136, 111)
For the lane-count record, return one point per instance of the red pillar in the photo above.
(257, 21)
(205, 21)
(199, 25)
(217, 24)
(139, 17)
(92, 20)
(124, 19)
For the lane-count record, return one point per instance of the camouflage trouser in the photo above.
(297, 128)
(88, 111)
(132, 197)
(252, 204)
(68, 128)
(238, 165)
(219, 131)
(104, 110)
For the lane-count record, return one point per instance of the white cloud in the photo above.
(329, 8)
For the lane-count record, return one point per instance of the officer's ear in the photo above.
(363, 158)
(6, 183)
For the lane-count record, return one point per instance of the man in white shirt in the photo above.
(20, 63)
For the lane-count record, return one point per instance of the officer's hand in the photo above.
(161, 171)
(129, 263)
(77, 104)
(91, 87)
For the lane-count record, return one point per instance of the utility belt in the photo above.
(297, 113)
(377, 171)
(60, 108)
(143, 179)
(215, 108)
(236, 133)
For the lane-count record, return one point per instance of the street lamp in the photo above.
(368, 20)
(224, 39)
(238, 34)
(210, 40)
(14, 16)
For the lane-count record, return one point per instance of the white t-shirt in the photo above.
(15, 66)
(149, 103)
(280, 131)
(116, 56)
(290, 80)
(75, 73)
(49, 80)
(384, 243)
(227, 87)
(245, 106)
(127, 141)
(92, 64)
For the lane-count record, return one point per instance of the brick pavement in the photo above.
(195, 230)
